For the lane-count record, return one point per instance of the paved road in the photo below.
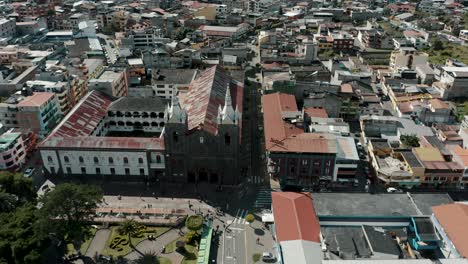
(98, 243)
(111, 52)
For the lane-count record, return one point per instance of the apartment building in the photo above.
(7, 28)
(407, 57)
(113, 82)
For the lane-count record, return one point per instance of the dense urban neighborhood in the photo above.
(234, 132)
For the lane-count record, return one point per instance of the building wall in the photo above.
(200, 156)
(130, 121)
(14, 155)
(302, 169)
(109, 162)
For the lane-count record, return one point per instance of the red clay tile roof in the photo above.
(84, 117)
(316, 112)
(282, 136)
(208, 92)
(295, 217)
(454, 218)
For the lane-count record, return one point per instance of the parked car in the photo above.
(29, 172)
(393, 190)
(268, 256)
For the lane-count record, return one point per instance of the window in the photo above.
(66, 159)
(81, 159)
(202, 140)
(158, 159)
(175, 136)
(142, 171)
(49, 158)
(111, 160)
(96, 160)
(125, 159)
(112, 171)
(227, 139)
(98, 171)
(69, 170)
(127, 171)
(83, 170)
(140, 160)
(304, 162)
(455, 179)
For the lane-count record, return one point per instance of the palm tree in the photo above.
(147, 258)
(129, 228)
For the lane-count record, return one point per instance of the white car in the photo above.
(268, 256)
(393, 190)
(29, 172)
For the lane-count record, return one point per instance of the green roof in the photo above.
(205, 243)
(7, 138)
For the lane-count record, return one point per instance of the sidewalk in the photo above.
(266, 242)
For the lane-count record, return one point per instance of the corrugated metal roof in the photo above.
(84, 117)
(206, 94)
(128, 143)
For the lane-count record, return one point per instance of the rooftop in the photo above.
(174, 76)
(37, 99)
(207, 93)
(83, 119)
(148, 104)
(284, 136)
(453, 218)
(7, 138)
(90, 142)
(376, 205)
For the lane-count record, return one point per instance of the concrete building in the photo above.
(407, 57)
(452, 82)
(61, 90)
(132, 114)
(39, 112)
(294, 157)
(168, 82)
(13, 150)
(374, 38)
(7, 28)
(113, 82)
(80, 146)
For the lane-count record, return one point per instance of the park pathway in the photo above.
(98, 243)
(148, 246)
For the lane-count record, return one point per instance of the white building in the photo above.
(463, 34)
(168, 82)
(80, 145)
(453, 82)
(407, 57)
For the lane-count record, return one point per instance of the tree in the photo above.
(16, 184)
(8, 201)
(438, 45)
(129, 228)
(70, 205)
(147, 258)
(250, 218)
(20, 241)
(410, 140)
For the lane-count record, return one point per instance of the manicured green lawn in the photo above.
(84, 247)
(155, 231)
(192, 251)
(192, 255)
(163, 260)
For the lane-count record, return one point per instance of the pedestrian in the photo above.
(258, 240)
